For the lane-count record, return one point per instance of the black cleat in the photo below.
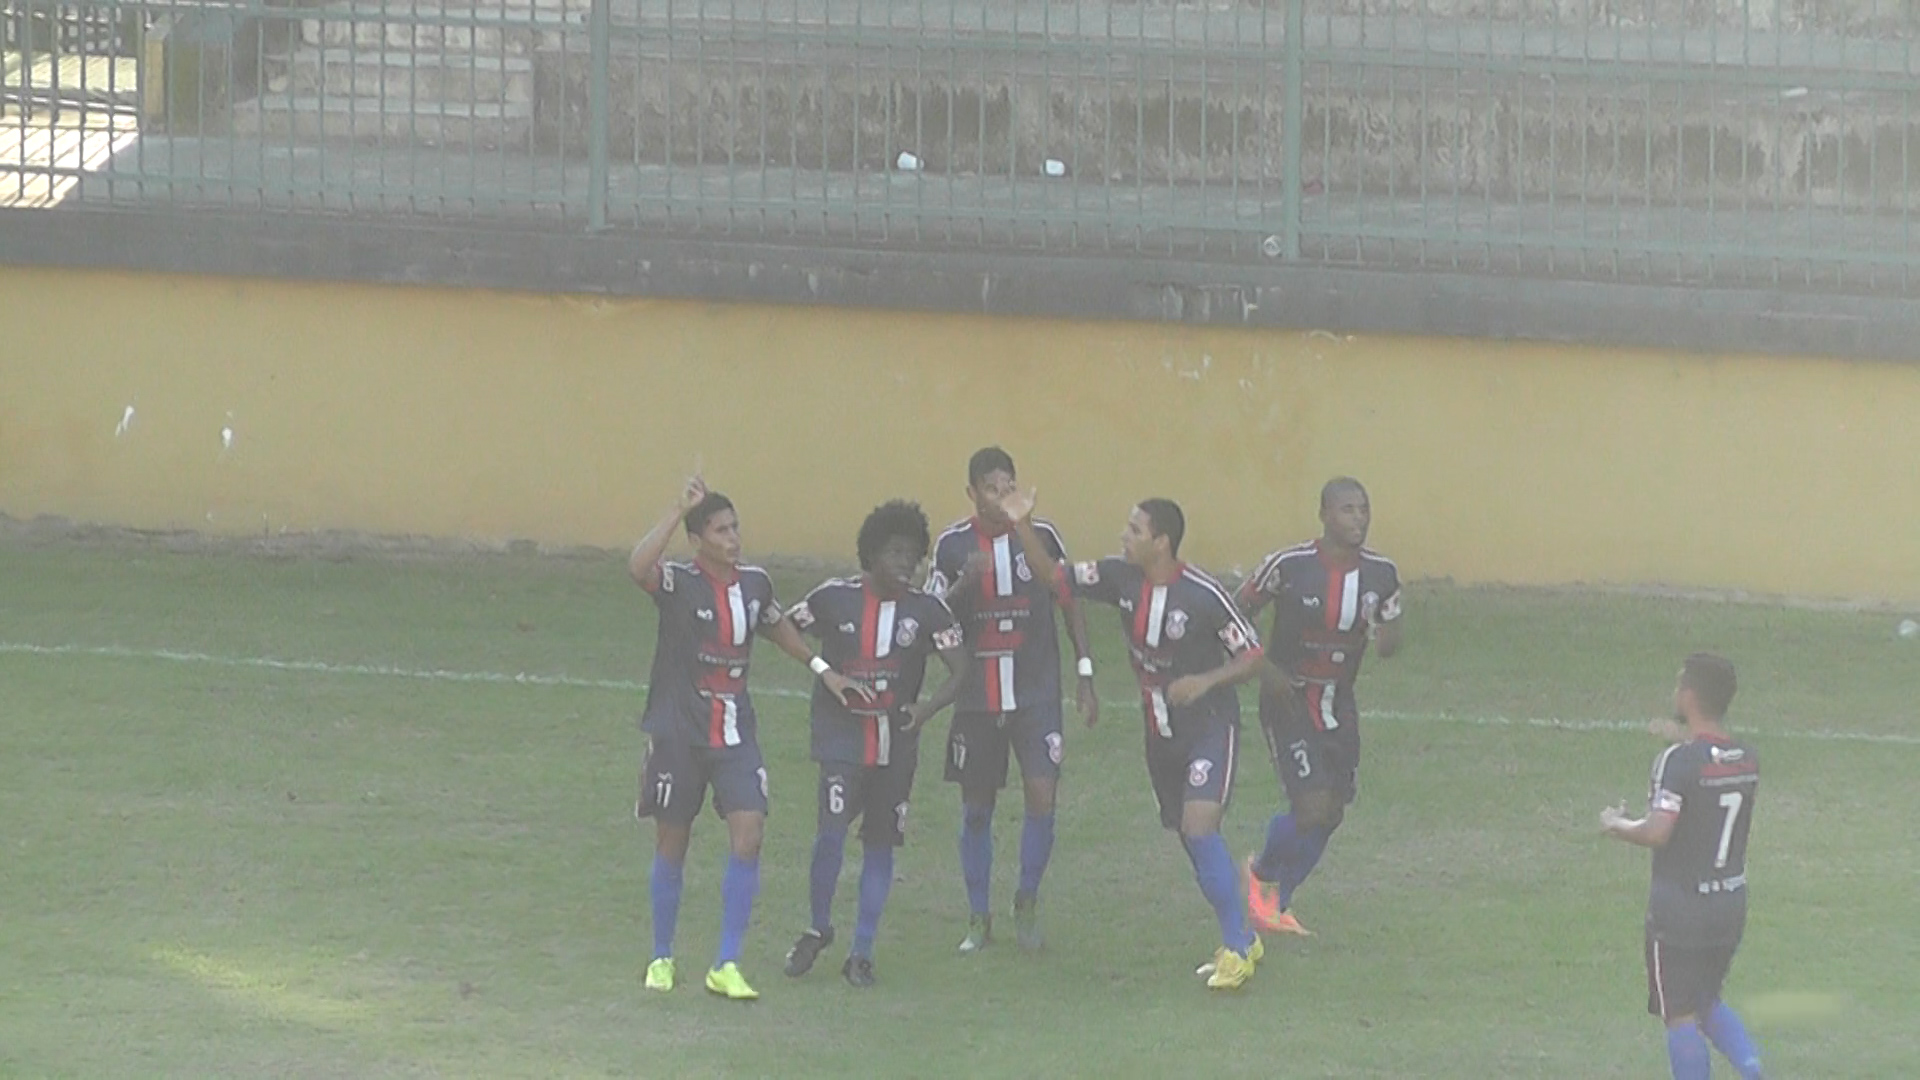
(858, 971)
(800, 958)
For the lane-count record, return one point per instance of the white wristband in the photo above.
(1086, 667)
(819, 666)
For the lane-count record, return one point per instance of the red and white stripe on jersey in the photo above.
(876, 643)
(731, 627)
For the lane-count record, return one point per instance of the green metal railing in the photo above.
(1683, 141)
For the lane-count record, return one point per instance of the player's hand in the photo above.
(917, 714)
(976, 567)
(844, 688)
(692, 493)
(1187, 689)
(1087, 701)
(1666, 730)
(1612, 819)
(1017, 505)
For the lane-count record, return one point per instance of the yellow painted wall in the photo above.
(565, 419)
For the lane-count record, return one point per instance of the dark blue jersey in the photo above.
(698, 689)
(884, 646)
(1322, 611)
(1006, 614)
(1187, 627)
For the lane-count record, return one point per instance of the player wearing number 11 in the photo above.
(699, 719)
(1699, 810)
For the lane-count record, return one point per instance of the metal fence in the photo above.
(1684, 141)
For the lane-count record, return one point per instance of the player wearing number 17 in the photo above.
(699, 719)
(1189, 647)
(1699, 811)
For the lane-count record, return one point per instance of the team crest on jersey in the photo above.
(1020, 566)
(905, 631)
(1198, 772)
(1176, 624)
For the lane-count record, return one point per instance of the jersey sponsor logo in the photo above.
(905, 631)
(1086, 573)
(1198, 772)
(1176, 624)
(1726, 755)
(704, 614)
(950, 638)
(849, 628)
(1310, 601)
(1126, 604)
(1666, 801)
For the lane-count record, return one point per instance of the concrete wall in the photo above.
(568, 419)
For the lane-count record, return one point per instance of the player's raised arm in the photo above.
(1019, 510)
(644, 564)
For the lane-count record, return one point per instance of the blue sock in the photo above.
(1729, 1035)
(1036, 848)
(876, 877)
(1688, 1053)
(737, 891)
(665, 887)
(976, 856)
(1213, 868)
(1307, 851)
(829, 851)
(1282, 839)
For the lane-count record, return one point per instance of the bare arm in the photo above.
(957, 660)
(1019, 510)
(1386, 638)
(1652, 831)
(644, 564)
(1085, 697)
(1191, 688)
(788, 637)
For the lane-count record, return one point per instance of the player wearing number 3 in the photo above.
(699, 719)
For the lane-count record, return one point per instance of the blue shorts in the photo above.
(876, 794)
(675, 777)
(1196, 769)
(977, 746)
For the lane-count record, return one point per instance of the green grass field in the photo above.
(214, 867)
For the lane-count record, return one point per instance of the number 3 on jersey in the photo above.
(1731, 802)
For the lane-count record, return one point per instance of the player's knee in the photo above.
(670, 841)
(1320, 810)
(977, 811)
(1039, 794)
(1199, 820)
(745, 833)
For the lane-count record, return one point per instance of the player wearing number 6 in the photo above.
(1699, 810)
(699, 718)
(1189, 647)
(880, 632)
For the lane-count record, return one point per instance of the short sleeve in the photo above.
(944, 630)
(1234, 631)
(802, 615)
(1666, 793)
(1096, 581)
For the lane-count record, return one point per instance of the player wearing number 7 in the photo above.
(1699, 810)
(1189, 647)
(699, 719)
(880, 631)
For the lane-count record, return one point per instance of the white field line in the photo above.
(627, 686)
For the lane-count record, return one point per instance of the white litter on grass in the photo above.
(126, 421)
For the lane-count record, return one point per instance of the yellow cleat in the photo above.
(727, 981)
(660, 974)
(1257, 952)
(1230, 970)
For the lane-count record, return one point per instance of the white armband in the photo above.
(819, 666)
(1086, 667)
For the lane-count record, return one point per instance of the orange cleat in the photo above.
(1263, 907)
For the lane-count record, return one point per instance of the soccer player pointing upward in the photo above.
(1189, 647)
(699, 719)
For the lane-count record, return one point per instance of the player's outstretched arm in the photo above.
(1652, 831)
(787, 636)
(958, 660)
(644, 564)
(1019, 509)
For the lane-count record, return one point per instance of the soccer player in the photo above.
(699, 719)
(1699, 810)
(1011, 699)
(1332, 597)
(879, 630)
(1190, 647)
